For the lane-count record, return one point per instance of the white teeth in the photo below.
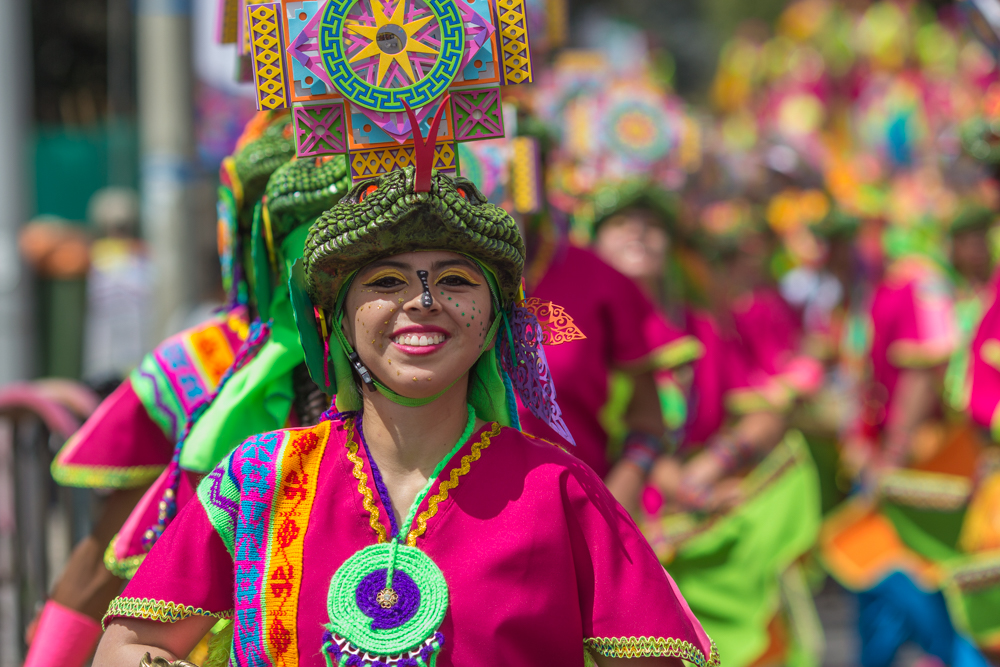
(422, 340)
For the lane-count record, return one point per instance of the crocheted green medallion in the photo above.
(388, 618)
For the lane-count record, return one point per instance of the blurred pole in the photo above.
(120, 160)
(166, 142)
(15, 187)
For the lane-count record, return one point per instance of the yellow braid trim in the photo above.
(650, 647)
(156, 610)
(359, 474)
(124, 568)
(451, 483)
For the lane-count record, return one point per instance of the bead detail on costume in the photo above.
(359, 474)
(651, 647)
(158, 610)
(451, 483)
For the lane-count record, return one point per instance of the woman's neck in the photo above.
(408, 442)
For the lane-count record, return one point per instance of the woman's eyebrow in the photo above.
(445, 263)
(388, 262)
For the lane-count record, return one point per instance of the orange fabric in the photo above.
(859, 547)
(958, 455)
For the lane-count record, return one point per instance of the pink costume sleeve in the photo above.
(120, 446)
(188, 572)
(637, 329)
(984, 368)
(913, 322)
(630, 605)
(769, 329)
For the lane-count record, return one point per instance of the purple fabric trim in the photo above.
(383, 490)
(158, 396)
(218, 499)
(330, 646)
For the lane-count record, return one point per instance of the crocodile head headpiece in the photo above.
(266, 144)
(300, 190)
(386, 216)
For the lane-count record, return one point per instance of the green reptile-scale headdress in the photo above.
(387, 216)
(265, 145)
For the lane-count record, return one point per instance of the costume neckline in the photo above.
(461, 462)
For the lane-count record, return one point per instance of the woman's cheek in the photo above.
(467, 311)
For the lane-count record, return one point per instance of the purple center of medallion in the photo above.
(406, 603)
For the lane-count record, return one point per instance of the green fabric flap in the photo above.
(309, 337)
(255, 400)
(730, 573)
(261, 265)
(931, 533)
(973, 594)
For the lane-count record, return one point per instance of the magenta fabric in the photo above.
(188, 562)
(985, 377)
(912, 310)
(120, 434)
(768, 327)
(623, 328)
(537, 554)
(725, 366)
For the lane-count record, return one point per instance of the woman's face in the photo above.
(415, 350)
(633, 243)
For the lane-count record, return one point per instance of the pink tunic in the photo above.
(722, 375)
(913, 326)
(129, 439)
(624, 331)
(984, 371)
(538, 557)
(769, 328)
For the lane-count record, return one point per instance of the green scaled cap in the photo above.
(300, 190)
(260, 157)
(611, 200)
(297, 193)
(383, 216)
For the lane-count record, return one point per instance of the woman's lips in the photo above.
(425, 342)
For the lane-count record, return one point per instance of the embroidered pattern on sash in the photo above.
(254, 466)
(299, 472)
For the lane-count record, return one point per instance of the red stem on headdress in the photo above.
(423, 149)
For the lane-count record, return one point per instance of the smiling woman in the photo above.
(416, 523)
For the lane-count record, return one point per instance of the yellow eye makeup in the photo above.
(458, 273)
(386, 273)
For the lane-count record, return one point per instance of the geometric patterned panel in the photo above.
(228, 21)
(526, 175)
(478, 114)
(269, 71)
(515, 66)
(319, 129)
(366, 164)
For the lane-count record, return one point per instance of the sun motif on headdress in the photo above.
(392, 39)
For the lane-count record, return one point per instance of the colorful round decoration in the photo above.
(380, 57)
(636, 130)
(383, 621)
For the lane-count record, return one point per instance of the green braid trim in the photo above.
(156, 610)
(123, 568)
(651, 647)
(104, 477)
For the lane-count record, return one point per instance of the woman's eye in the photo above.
(385, 283)
(455, 281)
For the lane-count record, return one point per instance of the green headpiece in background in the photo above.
(257, 398)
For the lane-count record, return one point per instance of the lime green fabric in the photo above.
(256, 398)
(932, 533)
(730, 574)
(957, 383)
(974, 602)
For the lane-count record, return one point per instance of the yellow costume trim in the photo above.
(156, 610)
(451, 483)
(651, 647)
(359, 474)
(104, 477)
(926, 490)
(122, 568)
